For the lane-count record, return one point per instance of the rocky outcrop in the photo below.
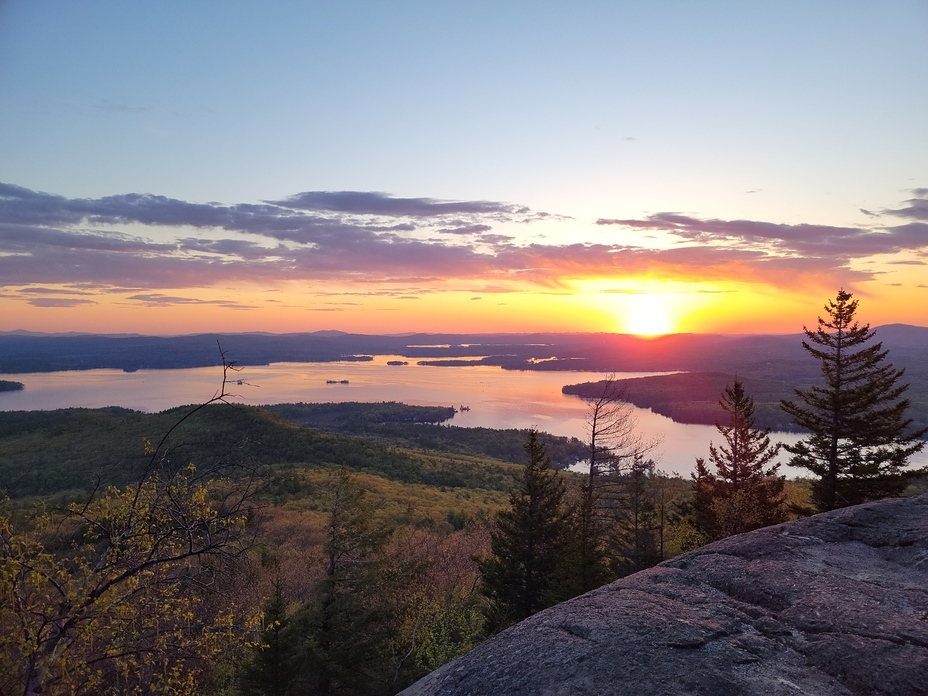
(832, 604)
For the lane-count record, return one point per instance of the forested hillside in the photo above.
(401, 527)
(47, 451)
(693, 397)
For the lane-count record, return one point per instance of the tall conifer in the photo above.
(859, 439)
(744, 492)
(529, 544)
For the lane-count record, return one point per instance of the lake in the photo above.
(496, 398)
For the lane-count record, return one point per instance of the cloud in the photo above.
(466, 229)
(915, 208)
(396, 247)
(59, 302)
(157, 300)
(372, 203)
(801, 239)
(53, 291)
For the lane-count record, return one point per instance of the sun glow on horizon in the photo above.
(647, 316)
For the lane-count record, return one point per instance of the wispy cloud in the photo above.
(370, 203)
(158, 300)
(466, 229)
(915, 208)
(59, 302)
(396, 247)
(781, 239)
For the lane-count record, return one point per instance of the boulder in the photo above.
(832, 604)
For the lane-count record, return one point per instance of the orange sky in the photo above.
(373, 263)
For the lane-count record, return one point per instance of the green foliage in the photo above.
(588, 560)
(353, 607)
(353, 417)
(114, 596)
(529, 544)
(637, 519)
(389, 607)
(341, 637)
(860, 436)
(449, 628)
(744, 492)
(272, 666)
(44, 452)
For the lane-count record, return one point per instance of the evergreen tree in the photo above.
(343, 634)
(744, 492)
(615, 450)
(859, 439)
(635, 541)
(532, 537)
(271, 670)
(587, 561)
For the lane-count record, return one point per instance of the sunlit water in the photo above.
(497, 398)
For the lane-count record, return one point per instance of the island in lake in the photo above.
(6, 385)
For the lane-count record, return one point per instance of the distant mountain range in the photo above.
(775, 363)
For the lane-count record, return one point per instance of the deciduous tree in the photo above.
(116, 595)
(122, 604)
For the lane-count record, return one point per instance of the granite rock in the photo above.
(832, 604)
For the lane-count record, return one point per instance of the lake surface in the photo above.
(497, 398)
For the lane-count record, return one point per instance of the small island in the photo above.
(6, 385)
(356, 358)
(397, 362)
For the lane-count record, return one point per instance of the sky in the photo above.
(390, 167)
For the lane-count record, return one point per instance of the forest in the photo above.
(414, 501)
(353, 548)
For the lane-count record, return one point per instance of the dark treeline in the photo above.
(775, 357)
(418, 427)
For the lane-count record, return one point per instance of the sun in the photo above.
(647, 315)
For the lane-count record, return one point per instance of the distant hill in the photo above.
(693, 397)
(43, 452)
(771, 365)
(772, 356)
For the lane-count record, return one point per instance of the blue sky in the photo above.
(787, 117)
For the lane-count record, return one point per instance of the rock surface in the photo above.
(832, 604)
